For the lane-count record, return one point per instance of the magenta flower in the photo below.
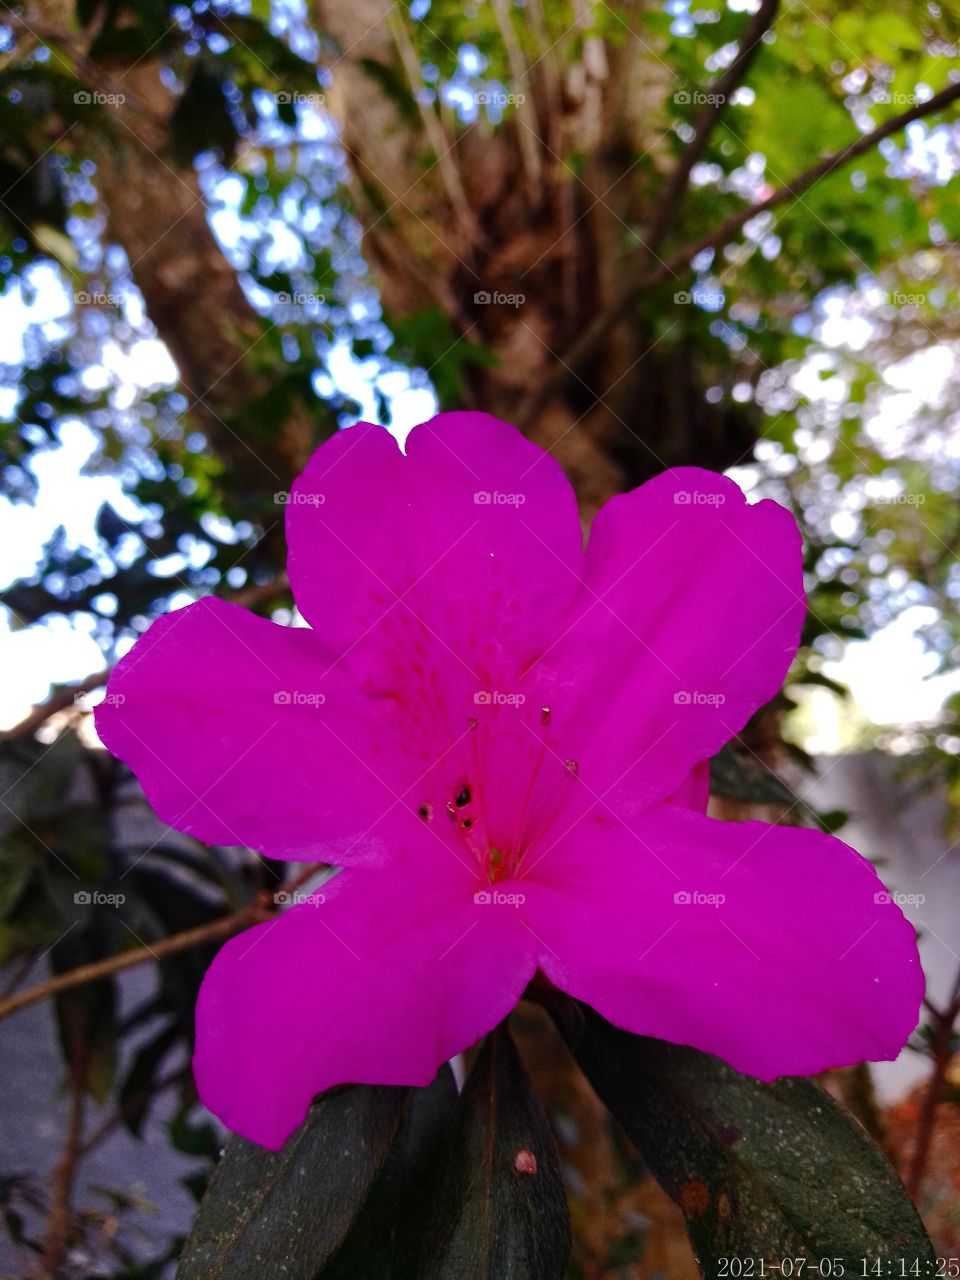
(503, 740)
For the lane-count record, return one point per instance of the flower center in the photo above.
(513, 786)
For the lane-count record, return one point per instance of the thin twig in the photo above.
(718, 98)
(65, 697)
(85, 973)
(942, 1050)
(571, 363)
(64, 1175)
(264, 908)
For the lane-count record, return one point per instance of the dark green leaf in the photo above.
(495, 1206)
(760, 1170)
(286, 1212)
(383, 1243)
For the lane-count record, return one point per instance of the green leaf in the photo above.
(760, 1170)
(496, 1205)
(383, 1242)
(287, 1212)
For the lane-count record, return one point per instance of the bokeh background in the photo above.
(649, 234)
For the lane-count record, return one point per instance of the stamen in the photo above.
(463, 798)
(426, 812)
(544, 715)
(572, 768)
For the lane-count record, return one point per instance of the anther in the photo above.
(426, 812)
(544, 715)
(463, 798)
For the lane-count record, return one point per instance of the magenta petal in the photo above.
(463, 550)
(775, 948)
(245, 732)
(695, 602)
(390, 975)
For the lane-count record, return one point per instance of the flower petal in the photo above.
(465, 549)
(695, 602)
(244, 732)
(775, 948)
(379, 979)
(440, 576)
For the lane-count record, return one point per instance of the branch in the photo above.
(85, 973)
(64, 1175)
(59, 701)
(593, 337)
(944, 1021)
(703, 126)
(62, 699)
(259, 911)
(803, 182)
